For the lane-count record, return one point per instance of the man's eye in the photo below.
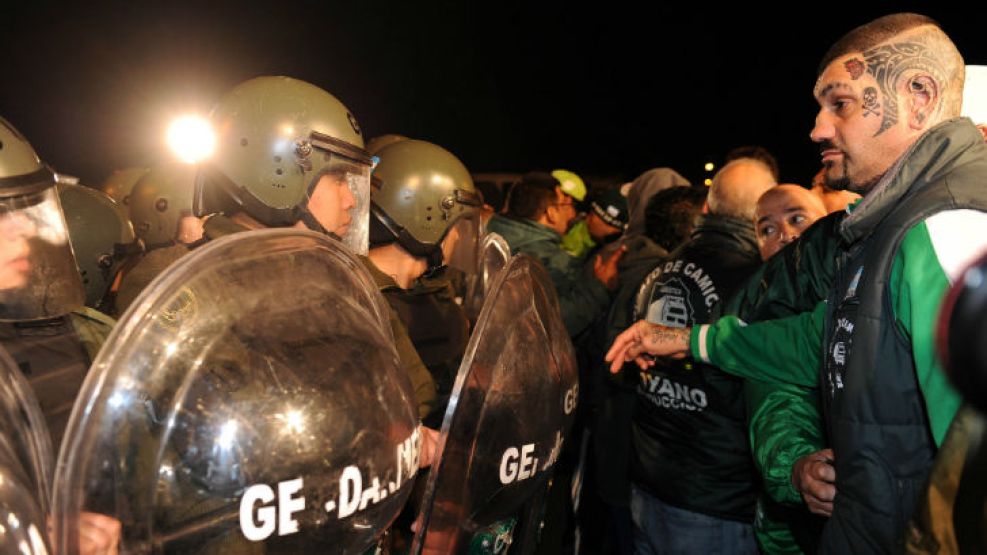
(797, 218)
(766, 231)
(841, 105)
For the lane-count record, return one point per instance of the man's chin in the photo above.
(840, 183)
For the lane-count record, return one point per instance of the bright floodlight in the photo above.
(191, 139)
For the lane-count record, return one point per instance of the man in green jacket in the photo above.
(889, 95)
(538, 215)
(784, 419)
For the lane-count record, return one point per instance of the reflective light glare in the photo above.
(227, 434)
(709, 166)
(973, 278)
(116, 400)
(170, 349)
(191, 138)
(37, 543)
(12, 521)
(294, 421)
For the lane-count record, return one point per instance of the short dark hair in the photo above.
(532, 195)
(670, 215)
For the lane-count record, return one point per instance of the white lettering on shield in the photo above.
(262, 512)
(268, 518)
(518, 465)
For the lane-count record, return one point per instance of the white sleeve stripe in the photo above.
(703, 347)
(958, 238)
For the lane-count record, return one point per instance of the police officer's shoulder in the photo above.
(91, 317)
(382, 280)
(93, 328)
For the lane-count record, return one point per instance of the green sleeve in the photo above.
(785, 425)
(786, 350)
(918, 283)
(93, 327)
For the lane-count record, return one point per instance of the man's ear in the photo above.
(924, 101)
(551, 214)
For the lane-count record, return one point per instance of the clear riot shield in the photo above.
(249, 401)
(22, 520)
(494, 254)
(511, 407)
(23, 432)
(25, 466)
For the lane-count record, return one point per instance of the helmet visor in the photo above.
(38, 274)
(462, 243)
(340, 201)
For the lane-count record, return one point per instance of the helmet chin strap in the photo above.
(431, 253)
(310, 222)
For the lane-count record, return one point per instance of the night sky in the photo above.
(507, 86)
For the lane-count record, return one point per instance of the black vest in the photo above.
(689, 431)
(876, 417)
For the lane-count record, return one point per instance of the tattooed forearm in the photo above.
(889, 62)
(676, 337)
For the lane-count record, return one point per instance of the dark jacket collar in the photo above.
(732, 233)
(932, 156)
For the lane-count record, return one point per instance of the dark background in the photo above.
(612, 89)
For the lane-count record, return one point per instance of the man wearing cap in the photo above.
(570, 184)
(605, 221)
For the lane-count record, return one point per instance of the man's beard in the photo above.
(843, 182)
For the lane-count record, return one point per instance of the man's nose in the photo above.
(349, 200)
(823, 128)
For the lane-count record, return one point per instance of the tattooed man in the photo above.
(889, 94)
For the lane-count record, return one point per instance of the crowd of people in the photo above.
(757, 361)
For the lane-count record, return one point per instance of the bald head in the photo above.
(737, 186)
(783, 212)
(905, 51)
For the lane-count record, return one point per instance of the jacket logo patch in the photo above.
(672, 307)
(837, 355)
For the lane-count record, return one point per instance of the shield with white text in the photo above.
(511, 408)
(249, 401)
